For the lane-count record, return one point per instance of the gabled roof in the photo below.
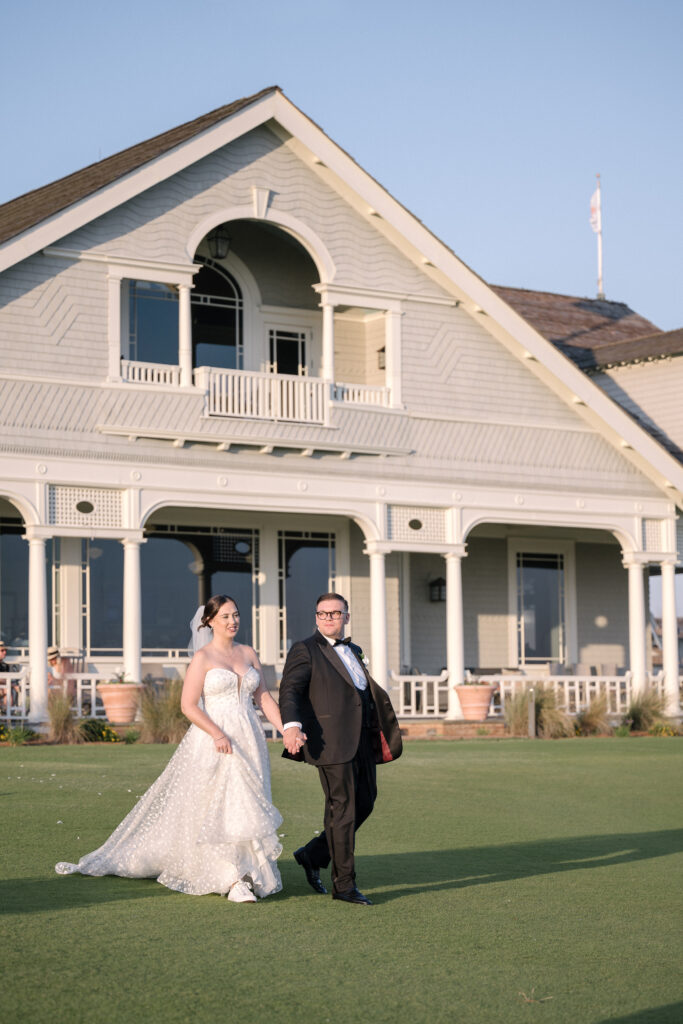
(588, 331)
(520, 320)
(24, 212)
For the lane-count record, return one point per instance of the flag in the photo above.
(596, 213)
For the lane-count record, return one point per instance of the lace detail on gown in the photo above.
(208, 819)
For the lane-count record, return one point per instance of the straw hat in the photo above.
(52, 652)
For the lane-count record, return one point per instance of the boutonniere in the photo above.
(363, 658)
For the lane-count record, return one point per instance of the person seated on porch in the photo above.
(4, 667)
(59, 668)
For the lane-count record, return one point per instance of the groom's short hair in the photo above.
(333, 597)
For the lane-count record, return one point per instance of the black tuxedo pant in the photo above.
(350, 790)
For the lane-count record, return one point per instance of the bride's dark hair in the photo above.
(213, 606)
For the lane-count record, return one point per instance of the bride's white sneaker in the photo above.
(241, 893)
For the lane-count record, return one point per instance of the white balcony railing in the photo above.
(361, 394)
(149, 373)
(264, 396)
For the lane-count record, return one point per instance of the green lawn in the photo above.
(497, 868)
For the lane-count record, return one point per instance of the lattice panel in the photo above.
(84, 506)
(679, 538)
(411, 523)
(652, 535)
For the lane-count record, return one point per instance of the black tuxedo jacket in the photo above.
(318, 691)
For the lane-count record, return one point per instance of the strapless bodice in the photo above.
(224, 685)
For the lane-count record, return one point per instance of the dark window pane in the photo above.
(13, 589)
(169, 593)
(216, 320)
(540, 580)
(153, 322)
(106, 595)
(306, 570)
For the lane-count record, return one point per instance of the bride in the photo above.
(207, 824)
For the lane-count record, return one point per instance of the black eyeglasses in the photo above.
(329, 615)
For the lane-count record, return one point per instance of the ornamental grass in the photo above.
(162, 720)
(63, 726)
(645, 710)
(594, 720)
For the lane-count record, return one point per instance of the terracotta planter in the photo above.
(475, 700)
(120, 701)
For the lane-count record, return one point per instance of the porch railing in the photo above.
(417, 696)
(361, 394)
(265, 396)
(421, 695)
(149, 373)
(573, 693)
(13, 696)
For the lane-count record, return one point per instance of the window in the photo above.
(306, 569)
(13, 584)
(217, 310)
(287, 352)
(103, 596)
(187, 562)
(541, 627)
(152, 322)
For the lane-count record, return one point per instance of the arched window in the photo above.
(217, 306)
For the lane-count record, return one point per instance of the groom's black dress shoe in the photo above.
(352, 896)
(312, 874)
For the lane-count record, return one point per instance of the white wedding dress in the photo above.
(208, 819)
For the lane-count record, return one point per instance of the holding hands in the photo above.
(294, 739)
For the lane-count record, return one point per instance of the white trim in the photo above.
(566, 548)
(133, 267)
(306, 237)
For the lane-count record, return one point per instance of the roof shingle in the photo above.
(30, 209)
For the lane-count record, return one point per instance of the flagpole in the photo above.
(601, 293)
(596, 224)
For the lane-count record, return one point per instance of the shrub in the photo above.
(63, 727)
(594, 718)
(645, 710)
(132, 736)
(663, 729)
(95, 730)
(622, 731)
(162, 719)
(4, 732)
(20, 735)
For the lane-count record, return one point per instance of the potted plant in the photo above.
(475, 698)
(120, 698)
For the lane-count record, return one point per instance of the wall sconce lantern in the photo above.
(381, 358)
(437, 589)
(219, 242)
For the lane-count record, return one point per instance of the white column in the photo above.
(455, 631)
(636, 625)
(132, 610)
(37, 629)
(392, 346)
(327, 369)
(185, 335)
(670, 639)
(378, 618)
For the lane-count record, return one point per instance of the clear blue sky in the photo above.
(487, 119)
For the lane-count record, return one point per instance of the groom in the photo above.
(339, 719)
